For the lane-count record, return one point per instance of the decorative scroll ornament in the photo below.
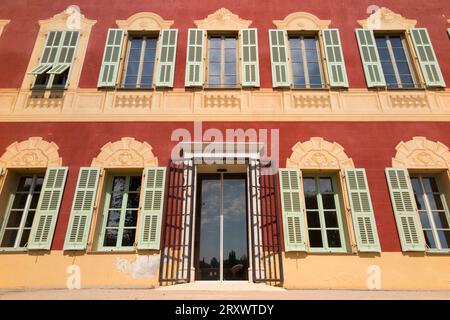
(223, 19)
(420, 153)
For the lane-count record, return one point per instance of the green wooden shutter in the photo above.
(82, 208)
(194, 58)
(49, 53)
(362, 211)
(166, 58)
(427, 58)
(370, 58)
(279, 58)
(44, 222)
(293, 216)
(66, 53)
(152, 208)
(402, 197)
(335, 58)
(249, 58)
(111, 58)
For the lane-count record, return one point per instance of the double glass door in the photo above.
(221, 250)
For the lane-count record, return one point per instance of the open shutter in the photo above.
(66, 53)
(166, 58)
(49, 53)
(427, 58)
(370, 58)
(44, 222)
(152, 207)
(335, 58)
(293, 216)
(362, 211)
(82, 208)
(279, 58)
(402, 197)
(111, 58)
(194, 58)
(249, 56)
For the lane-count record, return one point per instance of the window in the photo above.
(56, 60)
(121, 212)
(306, 66)
(21, 211)
(395, 61)
(433, 212)
(325, 225)
(222, 62)
(140, 62)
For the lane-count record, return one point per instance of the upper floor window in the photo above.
(433, 211)
(56, 60)
(222, 62)
(306, 65)
(140, 62)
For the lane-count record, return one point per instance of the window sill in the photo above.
(437, 252)
(328, 251)
(115, 250)
(13, 250)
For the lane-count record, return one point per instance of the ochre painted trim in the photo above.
(421, 153)
(147, 21)
(32, 153)
(386, 19)
(3, 23)
(223, 20)
(302, 21)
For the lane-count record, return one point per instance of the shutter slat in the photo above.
(152, 208)
(335, 58)
(370, 58)
(279, 58)
(427, 58)
(47, 210)
(82, 209)
(406, 216)
(49, 53)
(194, 58)
(111, 58)
(249, 56)
(166, 58)
(293, 216)
(362, 211)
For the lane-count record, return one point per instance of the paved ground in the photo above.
(159, 294)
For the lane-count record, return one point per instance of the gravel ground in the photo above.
(152, 294)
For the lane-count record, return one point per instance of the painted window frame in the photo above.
(420, 176)
(206, 58)
(104, 214)
(342, 225)
(416, 75)
(7, 214)
(324, 78)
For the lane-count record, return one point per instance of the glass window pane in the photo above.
(15, 217)
(328, 201)
(230, 80)
(309, 185)
(110, 237)
(435, 202)
(116, 201)
(425, 220)
(444, 239)
(315, 239)
(25, 236)
(311, 201)
(326, 185)
(313, 219)
(133, 201)
(334, 240)
(128, 237)
(381, 42)
(135, 184)
(113, 218)
(118, 184)
(416, 185)
(38, 184)
(440, 220)
(420, 202)
(430, 185)
(131, 218)
(25, 184)
(34, 201)
(396, 42)
(297, 70)
(9, 238)
(384, 54)
(230, 55)
(230, 69)
(331, 220)
(429, 239)
(150, 55)
(30, 218)
(214, 42)
(314, 69)
(214, 55)
(20, 200)
(136, 43)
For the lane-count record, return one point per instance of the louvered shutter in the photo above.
(362, 211)
(335, 58)
(279, 58)
(66, 53)
(82, 209)
(44, 222)
(111, 58)
(293, 216)
(49, 53)
(370, 58)
(152, 207)
(406, 216)
(166, 58)
(194, 58)
(427, 58)
(249, 58)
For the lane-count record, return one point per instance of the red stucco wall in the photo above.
(371, 145)
(18, 38)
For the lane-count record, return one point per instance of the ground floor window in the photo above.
(20, 211)
(433, 211)
(325, 225)
(121, 212)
